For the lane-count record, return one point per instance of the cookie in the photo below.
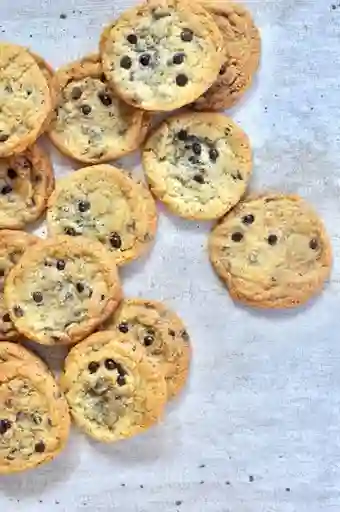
(91, 123)
(113, 389)
(34, 418)
(198, 164)
(161, 332)
(103, 203)
(26, 182)
(61, 289)
(242, 52)
(25, 99)
(13, 244)
(162, 54)
(13, 352)
(271, 251)
(48, 73)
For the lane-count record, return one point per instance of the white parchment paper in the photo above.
(258, 428)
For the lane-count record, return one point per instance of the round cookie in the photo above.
(13, 244)
(162, 54)
(91, 123)
(161, 332)
(26, 182)
(34, 418)
(198, 164)
(242, 51)
(25, 99)
(114, 390)
(13, 352)
(62, 289)
(103, 203)
(271, 251)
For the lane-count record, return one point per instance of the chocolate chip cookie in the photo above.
(198, 164)
(26, 182)
(161, 332)
(91, 123)
(13, 352)
(103, 203)
(61, 289)
(13, 244)
(162, 54)
(25, 100)
(242, 51)
(272, 251)
(114, 390)
(34, 418)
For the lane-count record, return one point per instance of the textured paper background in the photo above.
(258, 428)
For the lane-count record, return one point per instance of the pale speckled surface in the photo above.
(264, 396)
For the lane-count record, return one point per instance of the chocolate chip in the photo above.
(6, 317)
(145, 59)
(4, 426)
(313, 244)
(86, 109)
(110, 364)
(70, 231)
(148, 340)
(115, 240)
(171, 332)
(199, 178)
(223, 69)
(125, 62)
(197, 148)
(39, 447)
(80, 287)
(3, 137)
(12, 173)
(248, 219)
(37, 297)
(123, 327)
(76, 93)
(93, 366)
(61, 264)
(2, 272)
(237, 236)
(105, 99)
(178, 58)
(6, 189)
(181, 80)
(36, 418)
(18, 312)
(272, 239)
(132, 38)
(213, 155)
(238, 176)
(185, 335)
(182, 135)
(187, 35)
(121, 380)
(37, 178)
(83, 206)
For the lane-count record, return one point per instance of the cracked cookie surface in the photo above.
(162, 55)
(103, 203)
(91, 123)
(242, 52)
(25, 99)
(13, 352)
(13, 244)
(113, 389)
(34, 418)
(198, 164)
(271, 251)
(26, 182)
(61, 289)
(161, 332)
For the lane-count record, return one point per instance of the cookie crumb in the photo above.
(122, 485)
(201, 466)
(251, 478)
(57, 502)
(333, 6)
(178, 503)
(227, 482)
(287, 489)
(141, 486)
(63, 16)
(201, 482)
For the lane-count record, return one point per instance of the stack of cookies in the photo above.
(129, 356)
